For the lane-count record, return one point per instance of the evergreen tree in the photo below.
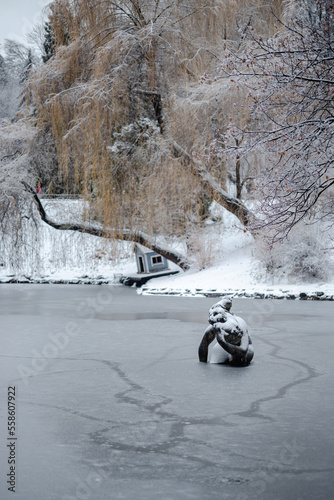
(28, 64)
(49, 42)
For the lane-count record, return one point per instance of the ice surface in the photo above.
(112, 402)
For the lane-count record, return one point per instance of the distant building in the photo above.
(148, 261)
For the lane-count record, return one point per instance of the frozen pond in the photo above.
(111, 402)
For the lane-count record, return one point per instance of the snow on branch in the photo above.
(289, 80)
(122, 234)
(233, 205)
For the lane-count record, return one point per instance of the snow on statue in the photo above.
(234, 344)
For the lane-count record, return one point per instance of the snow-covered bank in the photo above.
(192, 284)
(237, 271)
(68, 257)
(294, 292)
(239, 274)
(46, 255)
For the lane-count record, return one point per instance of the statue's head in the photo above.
(226, 303)
(218, 312)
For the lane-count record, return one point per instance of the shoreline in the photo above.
(295, 292)
(243, 294)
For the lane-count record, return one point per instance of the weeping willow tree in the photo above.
(119, 101)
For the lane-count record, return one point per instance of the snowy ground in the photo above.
(237, 273)
(71, 257)
(235, 278)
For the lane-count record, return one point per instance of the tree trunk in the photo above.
(237, 173)
(231, 204)
(124, 234)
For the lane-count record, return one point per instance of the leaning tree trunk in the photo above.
(230, 203)
(123, 234)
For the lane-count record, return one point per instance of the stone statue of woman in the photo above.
(233, 343)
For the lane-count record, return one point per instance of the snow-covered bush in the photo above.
(303, 256)
(204, 244)
(134, 134)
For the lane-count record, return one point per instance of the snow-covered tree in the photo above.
(119, 111)
(17, 56)
(3, 73)
(9, 90)
(288, 82)
(112, 95)
(18, 62)
(27, 67)
(48, 42)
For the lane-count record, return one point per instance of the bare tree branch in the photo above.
(122, 234)
(233, 205)
(289, 82)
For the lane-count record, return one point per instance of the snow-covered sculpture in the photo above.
(234, 344)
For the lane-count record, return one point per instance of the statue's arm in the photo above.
(234, 350)
(208, 337)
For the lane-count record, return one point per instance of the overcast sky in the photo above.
(18, 17)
